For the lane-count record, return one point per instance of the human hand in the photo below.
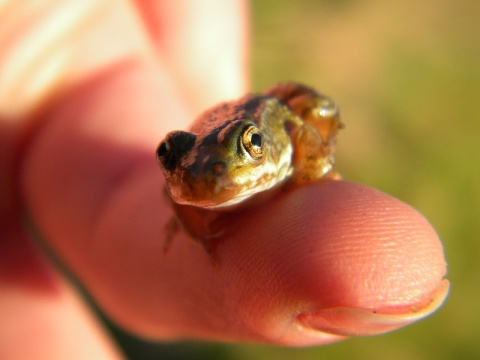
(310, 266)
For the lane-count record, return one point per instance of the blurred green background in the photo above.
(407, 77)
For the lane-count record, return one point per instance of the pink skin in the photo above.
(309, 267)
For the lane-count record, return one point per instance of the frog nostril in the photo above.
(165, 155)
(176, 145)
(163, 149)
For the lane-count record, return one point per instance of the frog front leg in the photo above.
(314, 140)
(312, 160)
(204, 226)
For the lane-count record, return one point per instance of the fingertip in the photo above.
(345, 321)
(340, 245)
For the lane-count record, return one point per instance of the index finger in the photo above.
(286, 266)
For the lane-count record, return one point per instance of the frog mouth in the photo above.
(204, 189)
(219, 191)
(225, 193)
(210, 182)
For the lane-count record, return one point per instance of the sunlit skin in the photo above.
(310, 266)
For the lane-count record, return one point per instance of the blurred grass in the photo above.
(407, 77)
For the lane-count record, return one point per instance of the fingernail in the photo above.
(357, 322)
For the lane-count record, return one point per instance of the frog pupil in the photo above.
(256, 139)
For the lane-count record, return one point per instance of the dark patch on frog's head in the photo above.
(175, 146)
(214, 119)
(254, 107)
(211, 138)
(254, 104)
(248, 107)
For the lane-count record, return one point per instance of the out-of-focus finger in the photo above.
(48, 47)
(204, 45)
(41, 315)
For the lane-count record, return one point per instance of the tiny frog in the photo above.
(240, 152)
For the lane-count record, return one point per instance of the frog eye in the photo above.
(252, 141)
(176, 145)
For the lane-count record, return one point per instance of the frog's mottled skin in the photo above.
(242, 148)
(241, 152)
